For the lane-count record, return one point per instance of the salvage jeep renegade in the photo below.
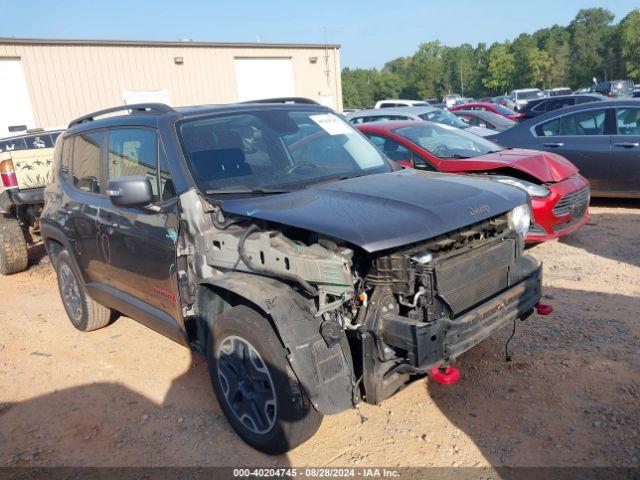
(277, 241)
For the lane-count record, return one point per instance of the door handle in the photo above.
(627, 144)
(554, 144)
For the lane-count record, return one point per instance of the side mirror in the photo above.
(131, 192)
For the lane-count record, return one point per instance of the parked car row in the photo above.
(429, 113)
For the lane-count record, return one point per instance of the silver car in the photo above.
(432, 114)
(518, 99)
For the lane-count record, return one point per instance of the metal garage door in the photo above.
(15, 103)
(258, 78)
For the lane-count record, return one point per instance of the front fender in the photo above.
(325, 373)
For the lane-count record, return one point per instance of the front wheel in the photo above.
(256, 388)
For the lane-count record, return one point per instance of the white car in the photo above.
(518, 99)
(451, 101)
(432, 114)
(400, 103)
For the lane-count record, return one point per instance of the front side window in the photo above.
(392, 149)
(134, 151)
(275, 150)
(446, 142)
(86, 161)
(581, 123)
(628, 121)
(39, 141)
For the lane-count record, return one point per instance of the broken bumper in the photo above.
(434, 343)
(473, 327)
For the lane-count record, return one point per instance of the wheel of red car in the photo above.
(256, 388)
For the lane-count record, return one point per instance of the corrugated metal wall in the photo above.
(67, 80)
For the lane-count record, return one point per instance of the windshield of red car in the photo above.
(503, 110)
(445, 142)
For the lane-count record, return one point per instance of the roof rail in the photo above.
(136, 107)
(307, 101)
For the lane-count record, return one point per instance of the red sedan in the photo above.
(559, 194)
(490, 107)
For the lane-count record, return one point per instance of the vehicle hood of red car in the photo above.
(546, 167)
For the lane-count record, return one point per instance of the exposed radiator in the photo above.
(468, 279)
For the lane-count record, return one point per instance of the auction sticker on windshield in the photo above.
(332, 124)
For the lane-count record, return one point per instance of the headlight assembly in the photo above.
(520, 219)
(531, 188)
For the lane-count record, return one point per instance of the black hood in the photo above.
(388, 210)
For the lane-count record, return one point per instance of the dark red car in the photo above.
(490, 107)
(559, 194)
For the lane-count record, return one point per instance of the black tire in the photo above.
(85, 313)
(14, 256)
(286, 418)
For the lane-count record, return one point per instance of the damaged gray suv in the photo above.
(277, 241)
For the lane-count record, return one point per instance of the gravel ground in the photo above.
(125, 396)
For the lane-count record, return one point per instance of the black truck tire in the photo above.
(84, 313)
(259, 393)
(14, 256)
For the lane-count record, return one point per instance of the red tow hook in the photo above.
(543, 309)
(444, 375)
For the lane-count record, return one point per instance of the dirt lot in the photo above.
(125, 396)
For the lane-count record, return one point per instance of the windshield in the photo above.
(623, 86)
(530, 95)
(503, 110)
(446, 142)
(274, 150)
(444, 116)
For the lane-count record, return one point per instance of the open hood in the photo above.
(377, 212)
(546, 167)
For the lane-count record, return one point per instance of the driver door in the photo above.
(142, 254)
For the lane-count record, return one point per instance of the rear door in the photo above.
(582, 138)
(84, 202)
(625, 151)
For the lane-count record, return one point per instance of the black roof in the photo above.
(147, 114)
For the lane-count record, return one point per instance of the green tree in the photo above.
(539, 63)
(629, 42)
(556, 44)
(591, 32)
(500, 68)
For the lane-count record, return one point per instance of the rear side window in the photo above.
(134, 151)
(581, 123)
(557, 104)
(628, 121)
(65, 163)
(86, 161)
(13, 144)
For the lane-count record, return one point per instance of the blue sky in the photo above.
(370, 32)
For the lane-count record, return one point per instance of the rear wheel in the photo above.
(85, 313)
(256, 388)
(14, 256)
